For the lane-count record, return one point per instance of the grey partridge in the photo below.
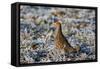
(60, 41)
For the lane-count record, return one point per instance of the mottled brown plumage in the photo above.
(61, 42)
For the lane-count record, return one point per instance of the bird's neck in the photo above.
(58, 31)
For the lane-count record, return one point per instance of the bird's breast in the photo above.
(59, 42)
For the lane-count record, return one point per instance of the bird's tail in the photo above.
(77, 48)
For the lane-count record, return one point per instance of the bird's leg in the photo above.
(66, 56)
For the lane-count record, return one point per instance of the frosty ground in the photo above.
(37, 40)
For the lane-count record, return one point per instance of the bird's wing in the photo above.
(66, 42)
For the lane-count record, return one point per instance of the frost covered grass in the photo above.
(37, 40)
